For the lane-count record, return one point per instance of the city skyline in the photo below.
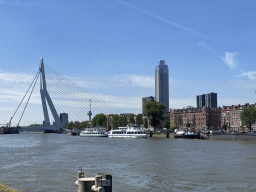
(112, 48)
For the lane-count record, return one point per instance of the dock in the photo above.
(9, 130)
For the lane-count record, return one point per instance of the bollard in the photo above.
(150, 133)
(100, 183)
(85, 184)
(167, 134)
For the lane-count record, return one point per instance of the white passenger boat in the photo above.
(131, 131)
(94, 132)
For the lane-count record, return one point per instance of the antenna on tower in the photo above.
(90, 113)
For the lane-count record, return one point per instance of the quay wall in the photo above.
(8, 130)
(231, 137)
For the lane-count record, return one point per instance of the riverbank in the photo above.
(161, 135)
(5, 188)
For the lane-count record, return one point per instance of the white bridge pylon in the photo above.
(45, 97)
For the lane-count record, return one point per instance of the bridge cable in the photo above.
(95, 98)
(23, 98)
(28, 99)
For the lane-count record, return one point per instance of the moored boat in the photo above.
(131, 131)
(94, 132)
(179, 134)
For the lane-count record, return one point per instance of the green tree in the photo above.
(122, 122)
(178, 120)
(154, 111)
(248, 116)
(139, 119)
(70, 125)
(84, 124)
(167, 124)
(188, 124)
(131, 119)
(225, 126)
(77, 124)
(114, 121)
(99, 120)
(174, 127)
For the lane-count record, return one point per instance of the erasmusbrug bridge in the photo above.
(69, 100)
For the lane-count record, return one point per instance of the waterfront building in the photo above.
(144, 101)
(208, 100)
(197, 117)
(231, 116)
(162, 84)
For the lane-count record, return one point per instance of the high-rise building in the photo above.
(200, 101)
(211, 100)
(144, 101)
(208, 100)
(162, 84)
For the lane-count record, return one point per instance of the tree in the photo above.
(225, 126)
(188, 124)
(99, 120)
(114, 121)
(139, 119)
(122, 122)
(167, 124)
(84, 124)
(248, 116)
(131, 119)
(76, 124)
(154, 111)
(178, 120)
(70, 125)
(174, 127)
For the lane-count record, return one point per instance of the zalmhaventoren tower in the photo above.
(162, 84)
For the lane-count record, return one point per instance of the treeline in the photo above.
(123, 121)
(114, 121)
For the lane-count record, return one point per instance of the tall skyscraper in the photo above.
(162, 84)
(209, 100)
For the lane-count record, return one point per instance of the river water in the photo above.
(49, 162)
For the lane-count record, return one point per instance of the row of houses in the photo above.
(214, 118)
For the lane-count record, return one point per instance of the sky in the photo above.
(111, 47)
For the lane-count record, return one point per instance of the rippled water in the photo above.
(49, 162)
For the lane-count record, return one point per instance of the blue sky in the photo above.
(112, 47)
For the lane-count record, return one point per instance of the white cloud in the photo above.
(250, 75)
(106, 82)
(230, 60)
(16, 78)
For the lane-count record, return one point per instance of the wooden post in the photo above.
(167, 133)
